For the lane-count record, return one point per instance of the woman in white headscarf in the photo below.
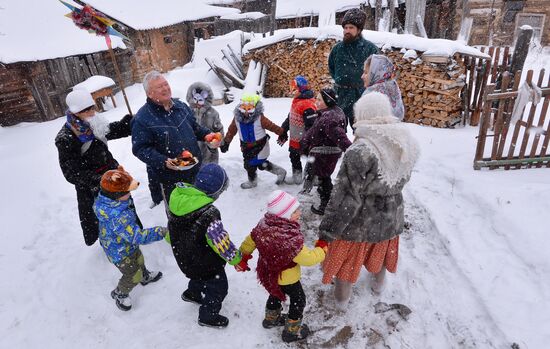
(364, 216)
(379, 76)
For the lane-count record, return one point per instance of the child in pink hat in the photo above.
(280, 244)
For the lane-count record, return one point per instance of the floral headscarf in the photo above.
(381, 74)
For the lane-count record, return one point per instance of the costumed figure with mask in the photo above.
(84, 156)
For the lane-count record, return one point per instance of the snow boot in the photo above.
(216, 321)
(294, 331)
(250, 184)
(150, 276)
(274, 318)
(308, 185)
(191, 298)
(123, 300)
(296, 178)
(279, 172)
(320, 210)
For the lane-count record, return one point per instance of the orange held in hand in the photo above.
(213, 137)
(186, 155)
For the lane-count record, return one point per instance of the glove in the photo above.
(322, 244)
(282, 139)
(224, 147)
(243, 264)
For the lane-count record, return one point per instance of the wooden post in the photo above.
(392, 14)
(119, 77)
(522, 48)
(273, 16)
(377, 15)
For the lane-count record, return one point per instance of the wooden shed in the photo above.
(497, 22)
(40, 64)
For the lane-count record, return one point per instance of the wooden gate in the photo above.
(513, 146)
(479, 73)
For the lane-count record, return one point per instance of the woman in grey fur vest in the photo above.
(365, 216)
(200, 97)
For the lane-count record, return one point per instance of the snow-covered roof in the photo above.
(95, 83)
(145, 15)
(246, 15)
(38, 30)
(430, 47)
(303, 8)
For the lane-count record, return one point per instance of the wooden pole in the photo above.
(119, 77)
(377, 15)
(521, 49)
(273, 16)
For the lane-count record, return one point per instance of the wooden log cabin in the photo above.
(39, 67)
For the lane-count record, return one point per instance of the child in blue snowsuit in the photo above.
(121, 233)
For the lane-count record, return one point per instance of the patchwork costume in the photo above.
(251, 125)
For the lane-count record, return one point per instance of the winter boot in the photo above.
(308, 185)
(250, 184)
(274, 318)
(150, 276)
(279, 172)
(296, 178)
(215, 321)
(192, 298)
(320, 210)
(294, 331)
(123, 300)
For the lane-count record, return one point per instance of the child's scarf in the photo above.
(80, 127)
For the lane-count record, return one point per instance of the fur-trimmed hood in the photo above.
(240, 117)
(203, 87)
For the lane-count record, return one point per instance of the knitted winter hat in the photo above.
(372, 105)
(300, 83)
(117, 183)
(355, 17)
(329, 97)
(211, 180)
(78, 100)
(282, 204)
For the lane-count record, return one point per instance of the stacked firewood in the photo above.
(287, 59)
(430, 86)
(431, 91)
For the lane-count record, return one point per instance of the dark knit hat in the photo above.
(329, 97)
(211, 179)
(355, 17)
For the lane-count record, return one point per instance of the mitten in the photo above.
(282, 139)
(224, 147)
(322, 244)
(243, 264)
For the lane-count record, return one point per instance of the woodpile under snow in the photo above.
(431, 86)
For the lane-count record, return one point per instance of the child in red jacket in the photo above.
(300, 118)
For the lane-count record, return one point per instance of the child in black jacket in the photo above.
(200, 244)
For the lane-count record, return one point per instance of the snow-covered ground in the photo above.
(474, 268)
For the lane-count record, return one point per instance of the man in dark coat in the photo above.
(346, 61)
(161, 130)
(84, 156)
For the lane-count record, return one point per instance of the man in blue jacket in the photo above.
(346, 61)
(161, 130)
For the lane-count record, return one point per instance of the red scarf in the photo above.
(278, 241)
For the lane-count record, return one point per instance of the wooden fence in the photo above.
(530, 135)
(479, 73)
